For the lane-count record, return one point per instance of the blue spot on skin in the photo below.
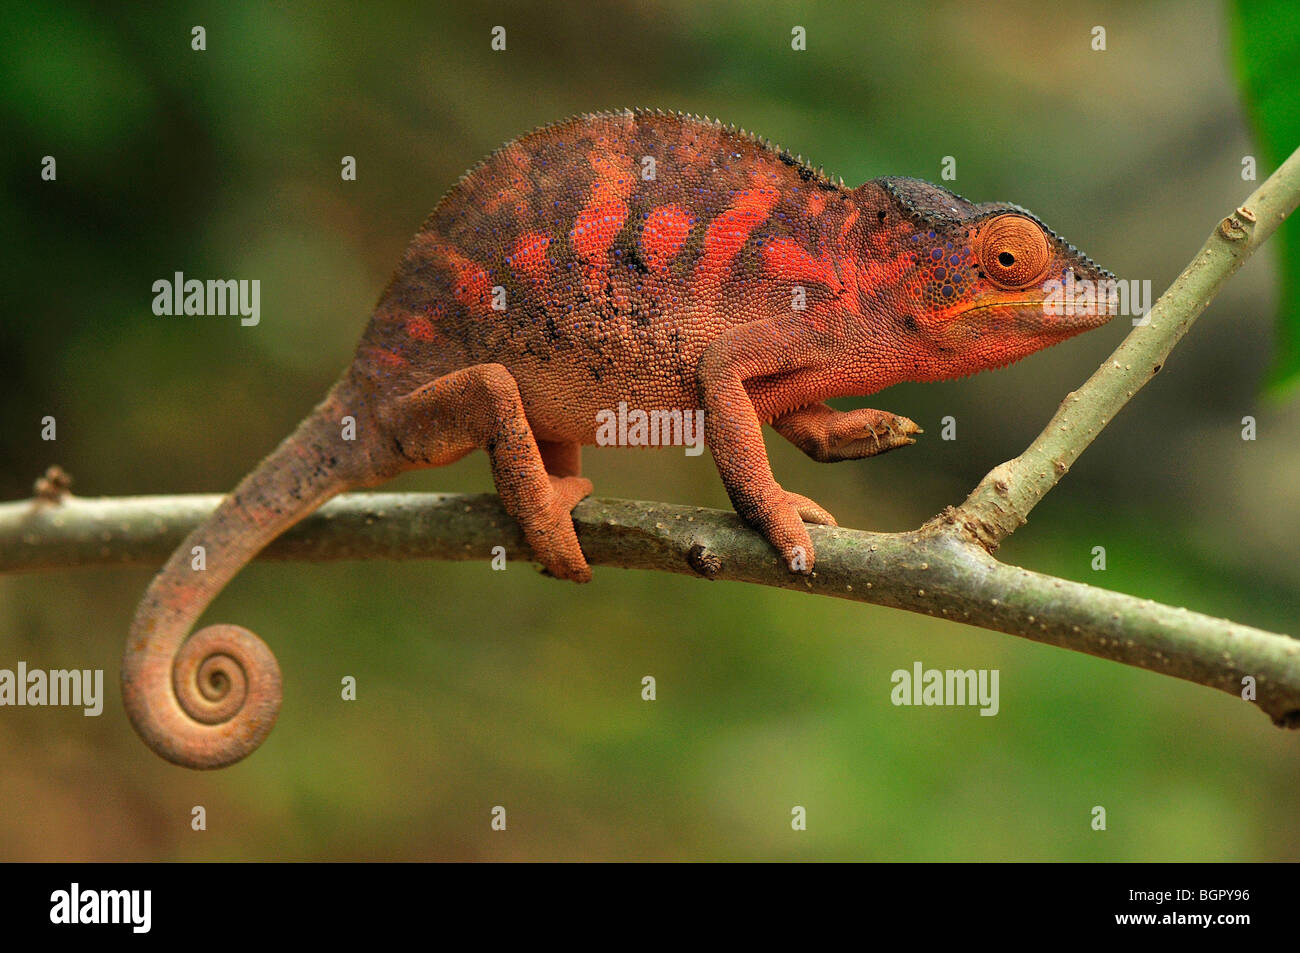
(932, 234)
(940, 273)
(946, 291)
(936, 254)
(954, 260)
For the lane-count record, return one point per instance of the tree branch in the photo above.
(943, 569)
(932, 573)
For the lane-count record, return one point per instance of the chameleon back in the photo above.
(595, 257)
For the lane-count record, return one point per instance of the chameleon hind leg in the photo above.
(480, 407)
(562, 459)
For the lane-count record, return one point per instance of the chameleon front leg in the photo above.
(480, 407)
(828, 435)
(734, 434)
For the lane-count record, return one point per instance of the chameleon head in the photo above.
(977, 286)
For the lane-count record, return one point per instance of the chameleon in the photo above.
(646, 256)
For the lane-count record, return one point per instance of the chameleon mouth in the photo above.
(1069, 311)
(1000, 304)
(978, 310)
(1038, 317)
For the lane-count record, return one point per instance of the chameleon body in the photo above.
(647, 257)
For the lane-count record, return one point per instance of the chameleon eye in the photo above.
(1013, 251)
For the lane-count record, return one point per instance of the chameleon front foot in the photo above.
(781, 517)
(866, 433)
(829, 435)
(208, 706)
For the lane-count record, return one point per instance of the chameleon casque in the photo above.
(565, 274)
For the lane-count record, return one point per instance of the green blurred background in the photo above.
(479, 688)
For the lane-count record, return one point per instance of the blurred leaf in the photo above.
(1266, 46)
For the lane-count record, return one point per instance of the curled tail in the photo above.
(208, 700)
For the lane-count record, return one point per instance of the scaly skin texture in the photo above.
(653, 258)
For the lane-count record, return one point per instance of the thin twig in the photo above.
(1002, 500)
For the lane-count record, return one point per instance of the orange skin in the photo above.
(638, 256)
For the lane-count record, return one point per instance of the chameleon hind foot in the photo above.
(550, 531)
(480, 407)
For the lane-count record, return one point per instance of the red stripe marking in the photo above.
(663, 236)
(529, 255)
(387, 357)
(471, 285)
(419, 328)
(789, 261)
(594, 230)
(731, 229)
